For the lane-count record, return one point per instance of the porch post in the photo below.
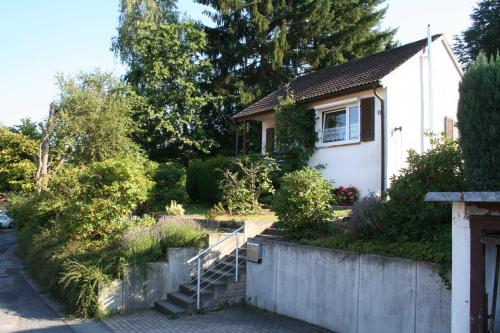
(236, 140)
(245, 138)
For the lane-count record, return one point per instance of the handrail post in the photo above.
(237, 257)
(198, 284)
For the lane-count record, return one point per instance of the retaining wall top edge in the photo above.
(337, 251)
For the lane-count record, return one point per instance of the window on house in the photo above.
(341, 125)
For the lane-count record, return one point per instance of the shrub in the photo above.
(17, 166)
(479, 124)
(175, 232)
(170, 184)
(140, 246)
(303, 203)
(174, 209)
(295, 135)
(437, 170)
(368, 214)
(92, 201)
(203, 178)
(244, 182)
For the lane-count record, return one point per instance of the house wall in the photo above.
(408, 103)
(346, 292)
(355, 164)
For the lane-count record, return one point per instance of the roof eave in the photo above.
(369, 85)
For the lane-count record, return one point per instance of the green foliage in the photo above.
(203, 179)
(81, 284)
(166, 68)
(174, 209)
(436, 249)
(303, 203)
(439, 169)
(170, 184)
(176, 232)
(245, 181)
(483, 35)
(104, 193)
(93, 122)
(295, 135)
(479, 124)
(28, 128)
(17, 166)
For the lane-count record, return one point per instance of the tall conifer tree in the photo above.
(257, 46)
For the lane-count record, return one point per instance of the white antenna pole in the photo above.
(429, 62)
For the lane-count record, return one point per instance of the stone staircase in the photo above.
(217, 284)
(272, 233)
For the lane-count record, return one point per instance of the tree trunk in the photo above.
(42, 165)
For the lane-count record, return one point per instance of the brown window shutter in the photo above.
(367, 119)
(269, 140)
(449, 124)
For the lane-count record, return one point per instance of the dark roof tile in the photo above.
(337, 79)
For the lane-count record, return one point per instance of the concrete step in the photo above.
(169, 308)
(274, 232)
(210, 281)
(189, 289)
(269, 237)
(182, 300)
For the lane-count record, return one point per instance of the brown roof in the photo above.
(338, 80)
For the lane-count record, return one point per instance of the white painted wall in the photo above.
(351, 164)
(406, 99)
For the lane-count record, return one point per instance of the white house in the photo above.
(371, 111)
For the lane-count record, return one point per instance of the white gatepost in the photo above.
(478, 211)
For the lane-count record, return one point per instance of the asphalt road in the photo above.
(23, 308)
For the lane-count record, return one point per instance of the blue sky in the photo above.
(42, 38)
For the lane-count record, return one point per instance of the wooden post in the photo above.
(237, 134)
(245, 138)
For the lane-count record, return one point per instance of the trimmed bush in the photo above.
(479, 124)
(303, 203)
(203, 178)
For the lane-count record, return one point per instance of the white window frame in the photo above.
(343, 107)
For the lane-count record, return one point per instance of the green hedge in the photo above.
(479, 124)
(203, 177)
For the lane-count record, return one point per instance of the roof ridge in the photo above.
(340, 78)
(434, 37)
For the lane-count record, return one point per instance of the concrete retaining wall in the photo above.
(140, 288)
(346, 292)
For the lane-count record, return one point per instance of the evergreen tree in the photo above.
(482, 35)
(258, 46)
(167, 68)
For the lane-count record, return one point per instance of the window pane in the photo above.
(335, 126)
(353, 123)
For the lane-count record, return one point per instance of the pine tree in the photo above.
(482, 35)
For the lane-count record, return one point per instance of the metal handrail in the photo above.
(199, 257)
(214, 245)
